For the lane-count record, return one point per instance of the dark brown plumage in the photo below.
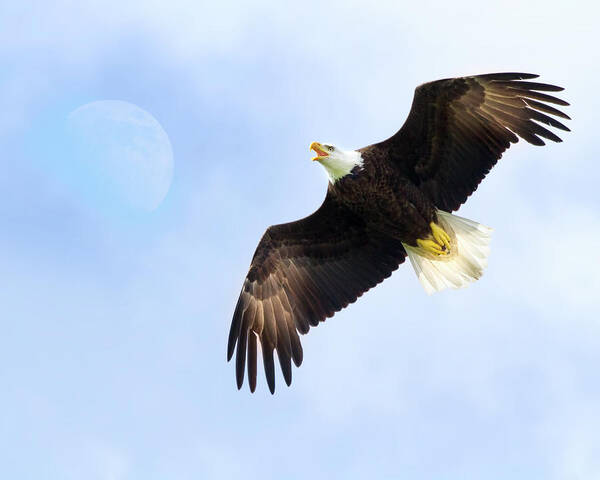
(458, 128)
(305, 271)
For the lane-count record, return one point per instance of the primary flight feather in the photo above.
(385, 202)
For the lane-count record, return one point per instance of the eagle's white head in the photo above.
(337, 162)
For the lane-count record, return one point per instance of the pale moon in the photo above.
(125, 151)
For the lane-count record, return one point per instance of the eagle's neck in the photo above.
(341, 164)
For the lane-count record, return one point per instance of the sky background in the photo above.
(115, 318)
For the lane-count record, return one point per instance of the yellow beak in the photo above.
(319, 150)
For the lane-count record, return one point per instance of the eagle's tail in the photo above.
(469, 249)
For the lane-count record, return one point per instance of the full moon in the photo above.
(125, 153)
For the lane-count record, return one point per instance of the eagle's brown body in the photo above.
(386, 200)
(305, 271)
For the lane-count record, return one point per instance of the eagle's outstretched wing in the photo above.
(458, 128)
(301, 273)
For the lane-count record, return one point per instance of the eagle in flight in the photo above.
(385, 202)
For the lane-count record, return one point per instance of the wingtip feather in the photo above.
(508, 76)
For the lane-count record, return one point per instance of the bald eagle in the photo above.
(385, 202)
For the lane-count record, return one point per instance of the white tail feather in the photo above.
(469, 249)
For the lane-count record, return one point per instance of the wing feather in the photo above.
(458, 128)
(252, 360)
(236, 325)
(270, 331)
(285, 362)
(546, 108)
(301, 273)
(525, 87)
(240, 357)
(297, 352)
(283, 335)
(269, 364)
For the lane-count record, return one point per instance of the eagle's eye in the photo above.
(330, 148)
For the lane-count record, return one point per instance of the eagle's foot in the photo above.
(440, 236)
(431, 246)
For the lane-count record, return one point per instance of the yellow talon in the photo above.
(440, 236)
(431, 247)
(437, 244)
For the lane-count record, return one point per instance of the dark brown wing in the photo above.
(301, 273)
(458, 128)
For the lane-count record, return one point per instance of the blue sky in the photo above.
(114, 320)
